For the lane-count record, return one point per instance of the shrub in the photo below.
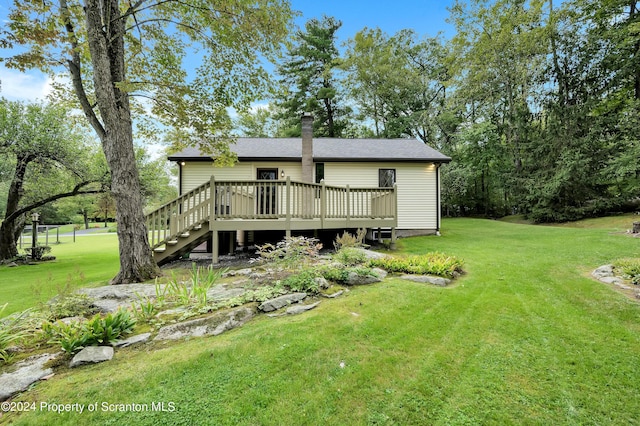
(303, 281)
(335, 274)
(350, 256)
(350, 240)
(340, 275)
(630, 269)
(68, 305)
(291, 252)
(38, 252)
(430, 263)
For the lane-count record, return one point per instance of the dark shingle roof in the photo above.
(325, 149)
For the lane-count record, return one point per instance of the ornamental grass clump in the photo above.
(629, 268)
(11, 331)
(428, 264)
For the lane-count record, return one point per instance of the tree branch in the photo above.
(76, 191)
(75, 69)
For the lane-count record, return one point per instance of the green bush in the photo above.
(38, 252)
(429, 264)
(350, 240)
(334, 274)
(350, 256)
(340, 275)
(292, 252)
(68, 304)
(303, 281)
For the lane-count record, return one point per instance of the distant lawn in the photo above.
(615, 223)
(90, 261)
(526, 337)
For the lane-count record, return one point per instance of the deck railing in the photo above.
(267, 199)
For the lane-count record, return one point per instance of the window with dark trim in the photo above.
(386, 178)
(319, 172)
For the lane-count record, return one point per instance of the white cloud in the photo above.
(19, 86)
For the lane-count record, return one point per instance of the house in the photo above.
(317, 183)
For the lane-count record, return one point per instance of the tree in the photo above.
(309, 81)
(259, 122)
(398, 82)
(50, 163)
(115, 50)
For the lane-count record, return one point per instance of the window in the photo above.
(319, 172)
(386, 178)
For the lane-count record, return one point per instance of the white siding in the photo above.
(196, 173)
(417, 192)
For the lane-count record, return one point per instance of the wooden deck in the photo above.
(266, 205)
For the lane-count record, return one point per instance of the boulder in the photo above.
(603, 271)
(322, 283)
(26, 372)
(375, 276)
(281, 302)
(427, 279)
(211, 325)
(371, 254)
(133, 340)
(221, 292)
(110, 298)
(300, 308)
(92, 355)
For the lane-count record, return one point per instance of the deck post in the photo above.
(323, 203)
(215, 246)
(393, 239)
(215, 243)
(348, 205)
(287, 230)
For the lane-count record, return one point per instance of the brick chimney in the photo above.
(307, 147)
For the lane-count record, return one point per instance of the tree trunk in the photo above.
(11, 227)
(105, 36)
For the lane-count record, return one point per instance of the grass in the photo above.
(525, 337)
(89, 262)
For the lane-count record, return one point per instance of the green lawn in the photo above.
(90, 261)
(525, 337)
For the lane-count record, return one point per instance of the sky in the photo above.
(426, 17)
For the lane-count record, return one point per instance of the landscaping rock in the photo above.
(221, 292)
(298, 309)
(334, 295)
(92, 355)
(133, 340)
(211, 325)
(236, 272)
(603, 271)
(371, 254)
(282, 301)
(612, 280)
(376, 276)
(26, 372)
(110, 298)
(322, 283)
(427, 279)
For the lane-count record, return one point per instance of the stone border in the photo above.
(605, 274)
